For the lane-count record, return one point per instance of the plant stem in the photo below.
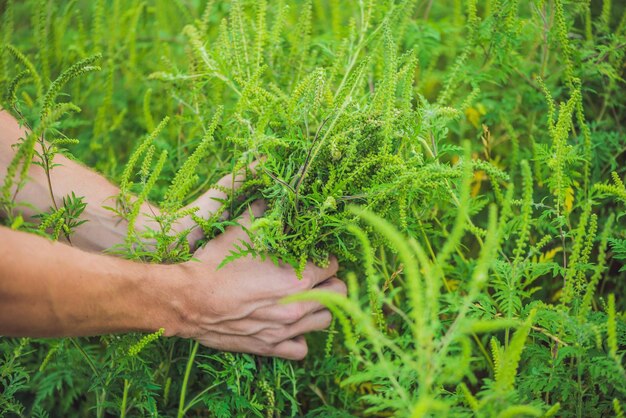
(99, 398)
(183, 389)
(199, 395)
(89, 360)
(124, 398)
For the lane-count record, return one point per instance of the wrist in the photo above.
(161, 288)
(175, 290)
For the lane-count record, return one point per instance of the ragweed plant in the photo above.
(463, 159)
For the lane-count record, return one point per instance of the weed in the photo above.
(463, 159)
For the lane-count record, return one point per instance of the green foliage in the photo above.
(617, 189)
(144, 341)
(464, 160)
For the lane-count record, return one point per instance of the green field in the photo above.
(464, 160)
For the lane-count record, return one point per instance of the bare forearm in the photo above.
(49, 289)
(103, 228)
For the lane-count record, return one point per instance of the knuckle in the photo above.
(334, 264)
(265, 338)
(280, 335)
(307, 280)
(342, 287)
(258, 207)
(292, 313)
(273, 336)
(291, 282)
(301, 352)
(265, 349)
(327, 318)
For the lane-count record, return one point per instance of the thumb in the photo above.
(234, 180)
(212, 200)
(235, 233)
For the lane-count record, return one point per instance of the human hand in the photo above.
(211, 201)
(237, 308)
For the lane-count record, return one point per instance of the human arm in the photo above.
(103, 228)
(51, 290)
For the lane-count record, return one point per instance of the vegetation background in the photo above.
(464, 159)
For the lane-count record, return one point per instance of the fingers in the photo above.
(255, 210)
(212, 200)
(314, 322)
(276, 330)
(234, 180)
(286, 313)
(292, 349)
(235, 233)
(314, 275)
(333, 285)
(275, 337)
(290, 313)
(295, 349)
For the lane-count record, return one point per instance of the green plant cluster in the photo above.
(464, 160)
